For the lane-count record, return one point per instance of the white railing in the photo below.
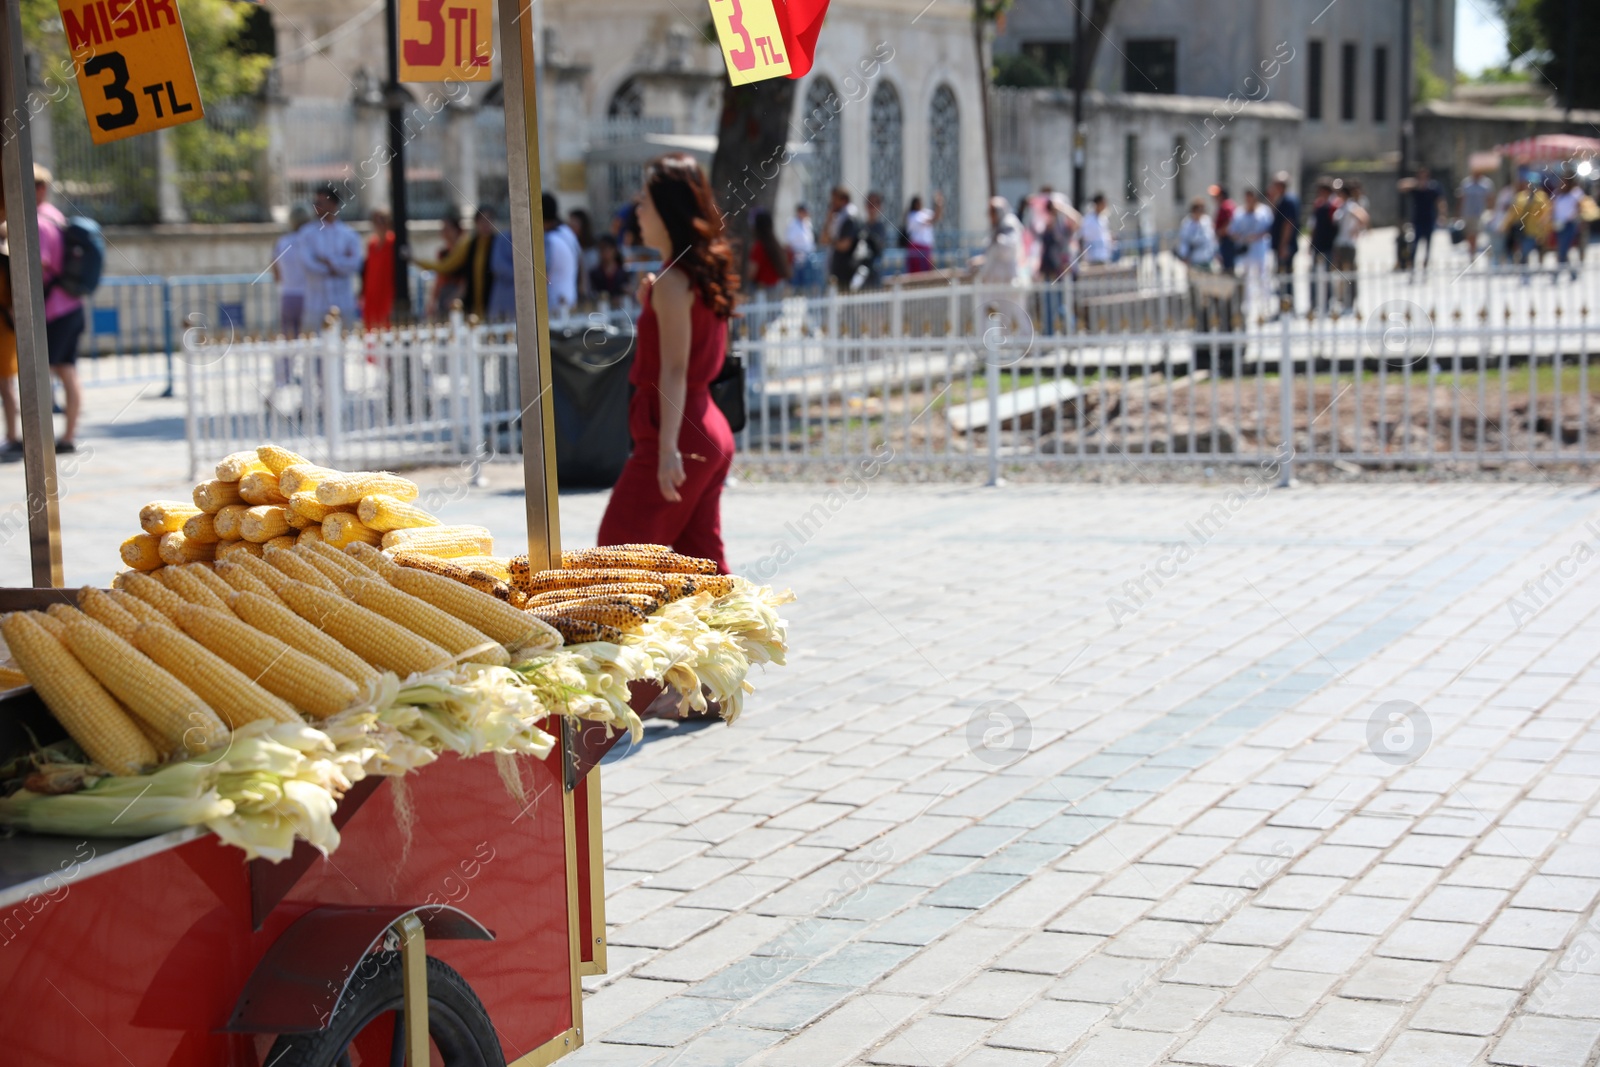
(959, 375)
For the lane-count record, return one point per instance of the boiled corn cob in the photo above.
(384, 513)
(229, 691)
(49, 622)
(277, 459)
(201, 529)
(285, 672)
(214, 496)
(650, 589)
(142, 610)
(273, 617)
(369, 635)
(622, 616)
(98, 605)
(579, 631)
(230, 549)
(652, 559)
(208, 575)
(64, 613)
(370, 558)
(263, 572)
(298, 570)
(263, 522)
(142, 551)
(302, 478)
(330, 570)
(90, 714)
(297, 522)
(155, 594)
(12, 677)
(340, 528)
(500, 621)
(341, 559)
(310, 535)
(226, 521)
(442, 541)
(350, 487)
(164, 516)
(176, 548)
(170, 708)
(426, 621)
(306, 505)
(185, 583)
(261, 488)
(243, 580)
(232, 468)
(284, 541)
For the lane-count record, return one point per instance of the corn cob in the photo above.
(100, 727)
(350, 487)
(650, 589)
(311, 535)
(495, 566)
(184, 582)
(307, 506)
(98, 605)
(297, 570)
(180, 718)
(208, 576)
(49, 622)
(500, 621)
(283, 541)
(340, 528)
(277, 460)
(263, 572)
(648, 605)
(155, 594)
(517, 598)
(302, 478)
(142, 610)
(285, 672)
(348, 565)
(621, 616)
(482, 581)
(164, 516)
(384, 513)
(201, 529)
(229, 691)
(231, 549)
(232, 468)
(263, 522)
(579, 631)
(261, 488)
(442, 541)
(64, 613)
(298, 523)
(273, 617)
(176, 548)
(329, 570)
(243, 580)
(654, 559)
(371, 558)
(11, 677)
(369, 635)
(426, 621)
(142, 551)
(214, 496)
(226, 521)
(546, 581)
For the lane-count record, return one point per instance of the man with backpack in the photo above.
(63, 251)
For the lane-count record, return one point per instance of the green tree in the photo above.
(1558, 39)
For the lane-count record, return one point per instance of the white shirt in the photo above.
(798, 239)
(1096, 238)
(1564, 208)
(561, 258)
(291, 271)
(1255, 228)
(919, 227)
(1350, 226)
(1197, 240)
(331, 255)
(1003, 260)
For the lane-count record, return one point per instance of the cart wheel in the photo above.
(367, 1027)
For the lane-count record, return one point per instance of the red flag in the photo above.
(801, 22)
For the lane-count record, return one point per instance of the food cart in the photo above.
(458, 916)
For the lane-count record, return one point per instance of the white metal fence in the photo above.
(1480, 370)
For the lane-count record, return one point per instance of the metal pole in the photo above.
(1286, 405)
(396, 99)
(519, 66)
(1079, 79)
(27, 300)
(1406, 30)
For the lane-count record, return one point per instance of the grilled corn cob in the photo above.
(201, 529)
(285, 672)
(277, 459)
(619, 615)
(298, 570)
(263, 522)
(272, 616)
(229, 691)
(231, 549)
(645, 559)
(426, 621)
(142, 551)
(547, 581)
(364, 632)
(233, 467)
(226, 521)
(639, 601)
(494, 566)
(164, 516)
(653, 590)
(214, 496)
(443, 541)
(171, 709)
(349, 488)
(261, 487)
(100, 727)
(384, 513)
(98, 605)
(176, 548)
(500, 621)
(302, 478)
(340, 528)
(578, 631)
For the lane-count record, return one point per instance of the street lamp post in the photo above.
(1078, 80)
(395, 100)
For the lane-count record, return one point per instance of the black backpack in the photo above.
(83, 257)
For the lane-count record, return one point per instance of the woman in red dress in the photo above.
(670, 490)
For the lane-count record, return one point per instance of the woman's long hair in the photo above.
(682, 197)
(763, 233)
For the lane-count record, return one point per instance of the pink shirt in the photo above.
(57, 301)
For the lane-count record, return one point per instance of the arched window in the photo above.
(627, 102)
(885, 149)
(944, 154)
(819, 124)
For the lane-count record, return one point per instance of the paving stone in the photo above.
(1099, 915)
(1282, 994)
(1266, 927)
(1416, 1049)
(845, 1035)
(932, 1041)
(993, 994)
(1555, 892)
(1048, 953)
(791, 1006)
(1464, 1009)
(672, 1022)
(948, 962)
(1423, 939)
(1453, 903)
(1299, 892)
(1504, 968)
(1048, 1026)
(973, 890)
(1233, 1041)
(727, 1046)
(1529, 928)
(1005, 1057)
(1121, 1048)
(1540, 1041)
(1165, 1007)
(1563, 993)
(858, 964)
(723, 945)
(1350, 1025)
(1105, 979)
(1217, 965)
(1323, 951)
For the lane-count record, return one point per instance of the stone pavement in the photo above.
(1066, 775)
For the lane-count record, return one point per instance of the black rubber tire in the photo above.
(459, 1026)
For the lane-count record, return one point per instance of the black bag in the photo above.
(728, 392)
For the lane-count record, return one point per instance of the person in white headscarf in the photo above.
(1004, 261)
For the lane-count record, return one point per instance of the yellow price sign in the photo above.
(752, 43)
(133, 66)
(446, 40)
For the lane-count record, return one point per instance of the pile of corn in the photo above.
(169, 662)
(272, 497)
